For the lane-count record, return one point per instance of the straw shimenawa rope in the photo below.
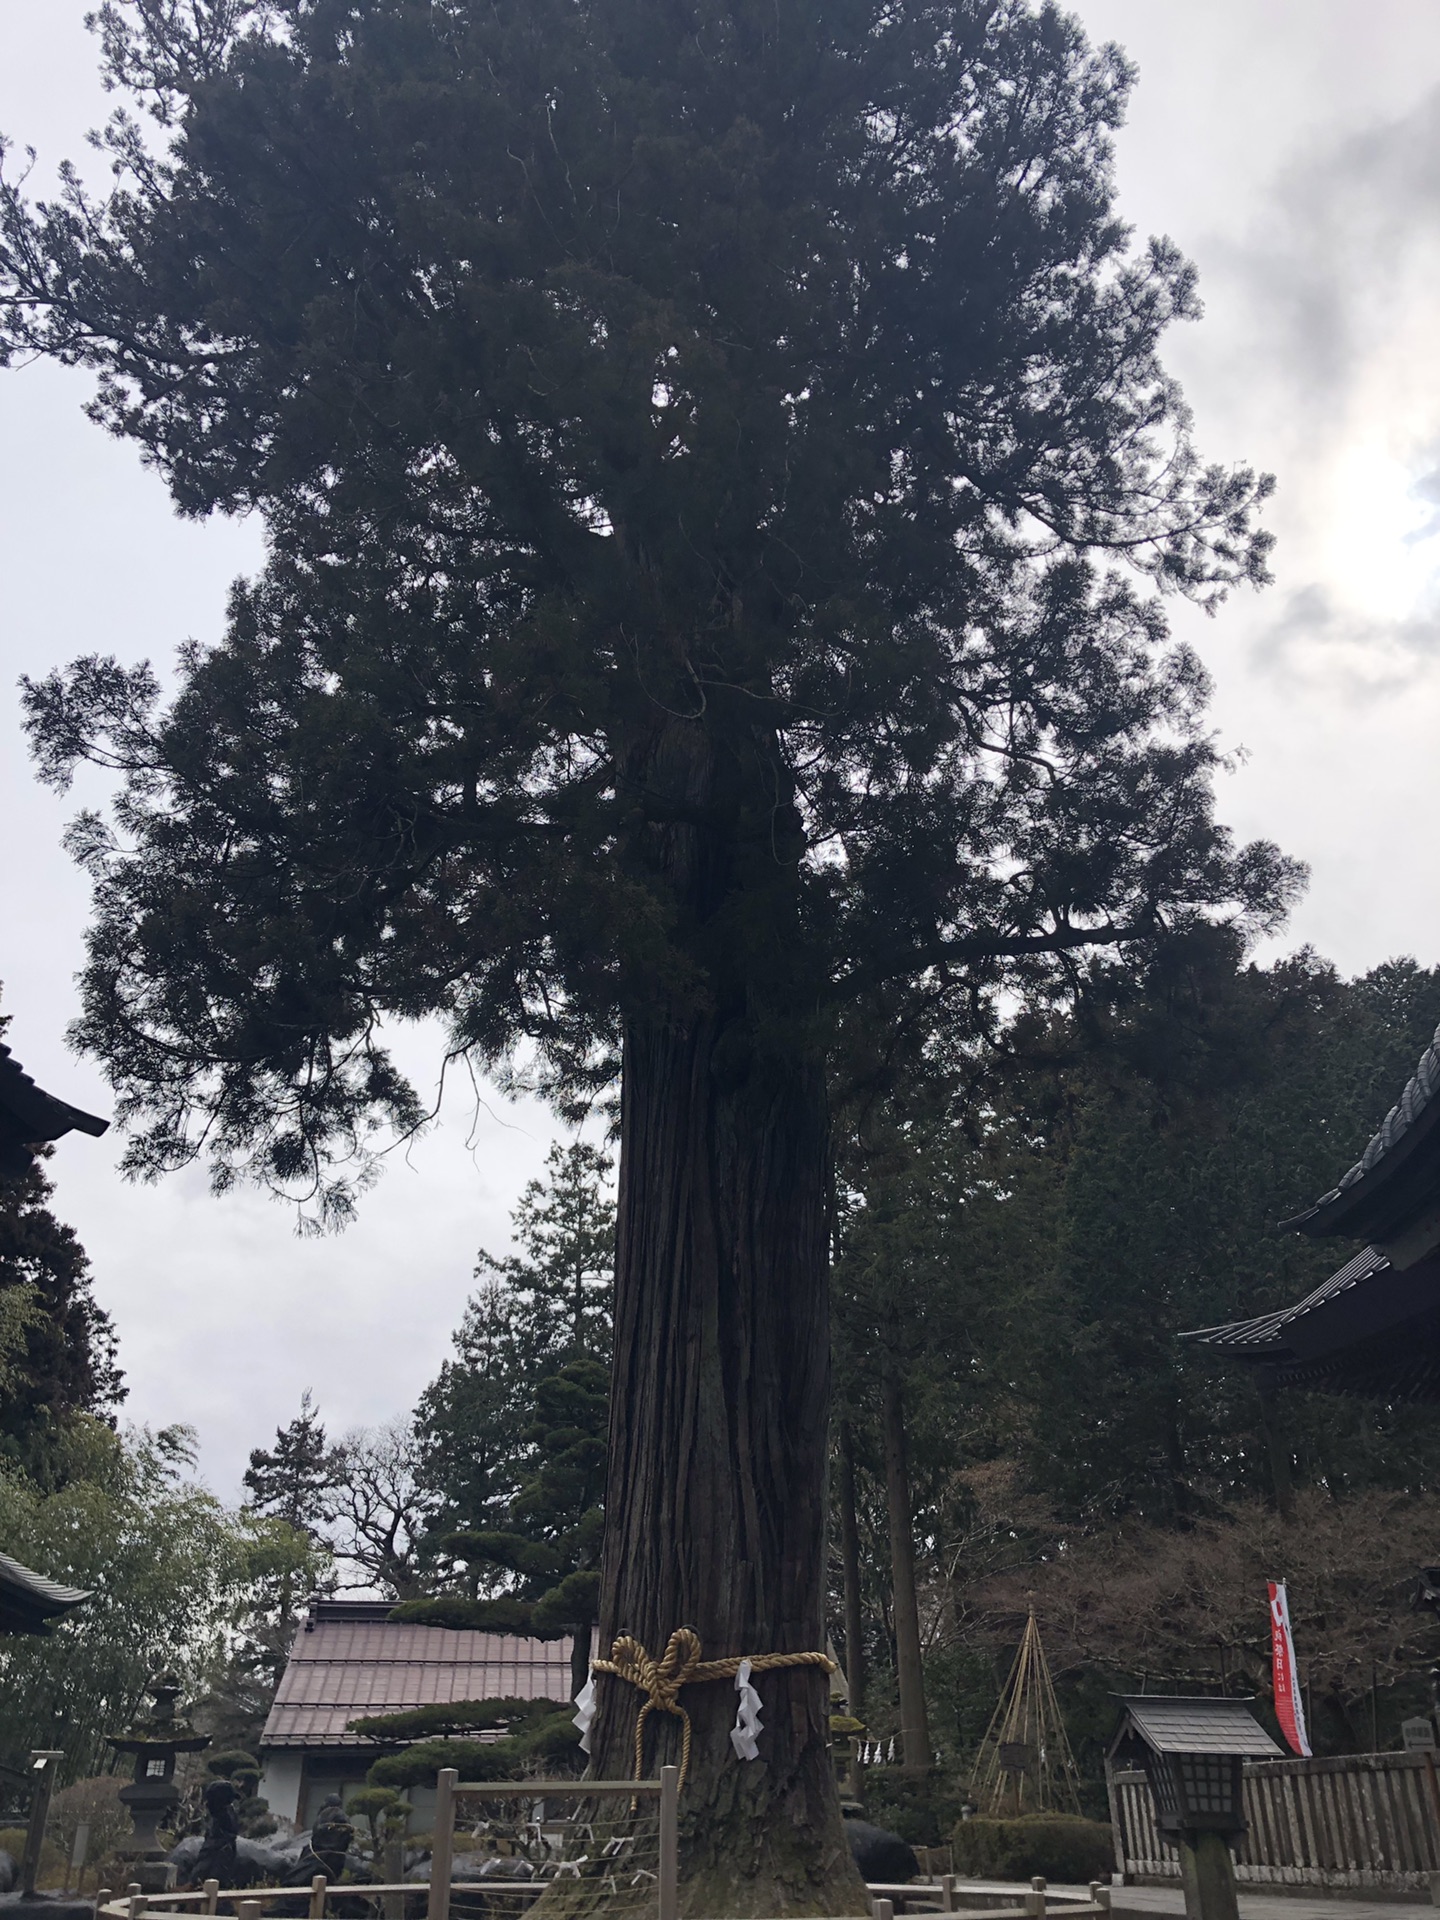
(681, 1666)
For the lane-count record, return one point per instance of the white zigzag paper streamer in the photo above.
(747, 1727)
(585, 1704)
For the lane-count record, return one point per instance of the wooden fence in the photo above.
(1363, 1820)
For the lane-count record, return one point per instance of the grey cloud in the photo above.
(1314, 638)
(1328, 251)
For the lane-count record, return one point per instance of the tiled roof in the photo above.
(340, 1669)
(1364, 1300)
(1420, 1090)
(1398, 1164)
(28, 1600)
(29, 1115)
(1174, 1724)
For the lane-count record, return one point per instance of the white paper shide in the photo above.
(744, 1735)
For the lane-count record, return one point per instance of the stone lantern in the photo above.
(157, 1740)
(1192, 1752)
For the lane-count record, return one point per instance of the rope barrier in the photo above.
(681, 1666)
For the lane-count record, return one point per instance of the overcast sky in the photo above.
(1292, 148)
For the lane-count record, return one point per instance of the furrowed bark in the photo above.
(715, 1504)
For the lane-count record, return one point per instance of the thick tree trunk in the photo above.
(914, 1722)
(715, 1503)
(850, 1557)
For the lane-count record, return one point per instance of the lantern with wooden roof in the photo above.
(1191, 1752)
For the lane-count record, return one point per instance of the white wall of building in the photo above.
(280, 1781)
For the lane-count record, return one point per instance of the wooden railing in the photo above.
(1361, 1820)
(952, 1894)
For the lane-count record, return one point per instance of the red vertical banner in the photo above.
(1289, 1708)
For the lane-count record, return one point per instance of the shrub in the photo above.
(921, 1809)
(52, 1860)
(1060, 1846)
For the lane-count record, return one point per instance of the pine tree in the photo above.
(57, 1344)
(715, 462)
(294, 1479)
(536, 1308)
(549, 1543)
(564, 1275)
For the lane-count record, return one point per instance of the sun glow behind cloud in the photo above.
(1377, 533)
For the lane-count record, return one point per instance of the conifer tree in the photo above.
(550, 1542)
(293, 1480)
(716, 462)
(57, 1344)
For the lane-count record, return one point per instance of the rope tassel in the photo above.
(681, 1666)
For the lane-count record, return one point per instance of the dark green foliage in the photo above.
(1032, 1255)
(57, 1346)
(544, 1740)
(513, 1430)
(451, 1716)
(563, 1278)
(547, 1304)
(614, 382)
(1215, 1106)
(1061, 1847)
(921, 1809)
(550, 1555)
(294, 1479)
(383, 1809)
(502, 1614)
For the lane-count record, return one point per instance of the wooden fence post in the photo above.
(442, 1847)
(947, 1893)
(211, 1891)
(319, 1886)
(1035, 1899)
(669, 1843)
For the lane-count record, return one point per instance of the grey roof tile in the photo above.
(1175, 1724)
(341, 1669)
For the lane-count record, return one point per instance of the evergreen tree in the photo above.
(470, 1417)
(56, 1343)
(550, 1548)
(1031, 1254)
(564, 1275)
(547, 1303)
(294, 1480)
(700, 448)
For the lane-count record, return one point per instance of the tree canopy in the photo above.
(719, 480)
(1029, 1258)
(57, 1343)
(175, 1581)
(784, 377)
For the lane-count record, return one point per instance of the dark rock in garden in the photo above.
(880, 1855)
(253, 1862)
(45, 1906)
(9, 1871)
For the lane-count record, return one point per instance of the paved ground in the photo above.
(1309, 1905)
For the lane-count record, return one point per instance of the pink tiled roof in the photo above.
(339, 1670)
